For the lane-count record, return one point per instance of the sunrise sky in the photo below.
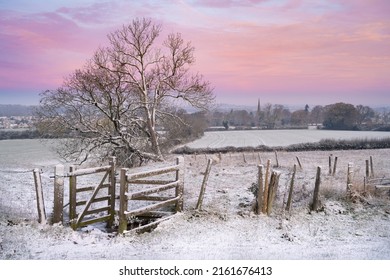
(281, 51)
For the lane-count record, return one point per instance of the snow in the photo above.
(225, 229)
(272, 138)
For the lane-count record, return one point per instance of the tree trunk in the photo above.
(151, 124)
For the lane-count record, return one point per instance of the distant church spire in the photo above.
(258, 106)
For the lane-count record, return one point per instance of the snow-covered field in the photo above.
(272, 138)
(226, 228)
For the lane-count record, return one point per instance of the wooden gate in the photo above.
(103, 194)
(146, 194)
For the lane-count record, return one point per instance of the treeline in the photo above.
(338, 116)
(8, 134)
(16, 110)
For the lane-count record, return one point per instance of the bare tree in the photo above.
(116, 102)
(317, 115)
(364, 114)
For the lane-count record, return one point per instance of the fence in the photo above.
(147, 188)
(159, 185)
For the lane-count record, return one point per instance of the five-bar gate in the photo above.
(101, 196)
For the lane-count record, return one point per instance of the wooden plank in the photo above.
(274, 183)
(98, 199)
(72, 197)
(316, 203)
(101, 198)
(88, 171)
(123, 201)
(349, 178)
(86, 189)
(290, 193)
(93, 221)
(81, 203)
(334, 166)
(180, 187)
(155, 172)
(97, 210)
(58, 208)
(260, 189)
(266, 187)
(111, 192)
(204, 183)
(149, 182)
(39, 194)
(156, 214)
(152, 190)
(153, 198)
(382, 187)
(382, 181)
(148, 208)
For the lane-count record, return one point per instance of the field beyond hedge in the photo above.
(287, 140)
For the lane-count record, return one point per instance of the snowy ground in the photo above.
(272, 138)
(226, 228)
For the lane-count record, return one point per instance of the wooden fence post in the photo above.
(58, 211)
(316, 203)
(203, 187)
(334, 166)
(367, 169)
(111, 192)
(330, 164)
(299, 163)
(266, 186)
(39, 193)
(258, 155)
(289, 200)
(123, 202)
(273, 188)
(372, 167)
(276, 158)
(180, 187)
(260, 189)
(72, 197)
(349, 178)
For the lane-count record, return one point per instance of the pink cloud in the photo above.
(302, 57)
(227, 3)
(249, 47)
(40, 49)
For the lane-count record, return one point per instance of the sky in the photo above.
(279, 51)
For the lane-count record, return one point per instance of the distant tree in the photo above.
(340, 116)
(274, 115)
(216, 118)
(225, 124)
(364, 114)
(299, 117)
(116, 103)
(317, 115)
